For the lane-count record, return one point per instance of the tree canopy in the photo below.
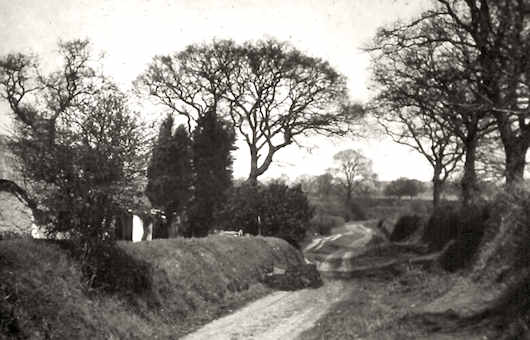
(271, 93)
(270, 210)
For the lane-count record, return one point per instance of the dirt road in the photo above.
(332, 254)
(280, 315)
(285, 315)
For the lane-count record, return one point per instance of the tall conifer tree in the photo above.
(213, 141)
(170, 172)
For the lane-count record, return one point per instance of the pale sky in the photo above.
(131, 32)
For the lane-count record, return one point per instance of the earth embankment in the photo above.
(193, 281)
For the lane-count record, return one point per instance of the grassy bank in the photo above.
(377, 308)
(193, 282)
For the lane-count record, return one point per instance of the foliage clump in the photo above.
(111, 269)
(270, 210)
(441, 227)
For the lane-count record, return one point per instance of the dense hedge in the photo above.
(465, 226)
(405, 227)
(269, 210)
(441, 227)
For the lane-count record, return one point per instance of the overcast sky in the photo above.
(131, 32)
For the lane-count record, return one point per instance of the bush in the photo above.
(356, 212)
(405, 226)
(285, 212)
(441, 227)
(109, 268)
(465, 227)
(273, 210)
(323, 223)
(331, 206)
(472, 224)
(241, 209)
(115, 271)
(11, 235)
(420, 207)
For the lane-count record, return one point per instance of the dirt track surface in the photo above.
(280, 315)
(333, 254)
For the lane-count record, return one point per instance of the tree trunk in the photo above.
(469, 180)
(253, 176)
(515, 163)
(436, 190)
(255, 170)
(348, 196)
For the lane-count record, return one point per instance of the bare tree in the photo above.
(498, 32)
(353, 169)
(414, 116)
(20, 81)
(433, 90)
(483, 45)
(271, 92)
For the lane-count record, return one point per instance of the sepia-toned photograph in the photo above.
(269, 170)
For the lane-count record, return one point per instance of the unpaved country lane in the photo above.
(333, 254)
(280, 315)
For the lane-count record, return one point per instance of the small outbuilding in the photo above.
(134, 226)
